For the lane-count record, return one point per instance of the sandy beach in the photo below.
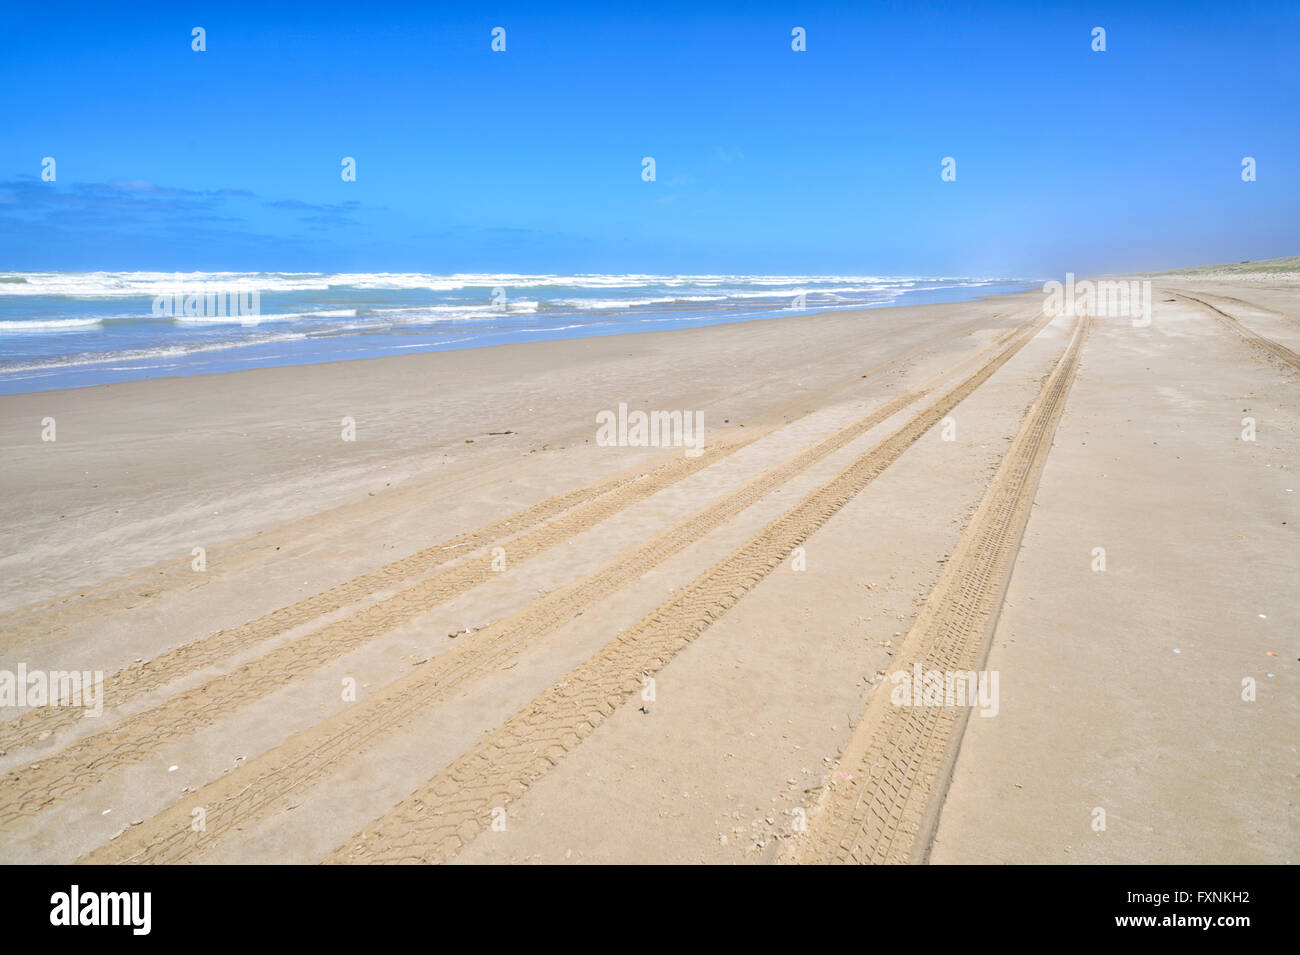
(417, 608)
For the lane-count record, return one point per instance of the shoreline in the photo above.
(284, 344)
(413, 412)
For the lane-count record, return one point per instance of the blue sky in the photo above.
(767, 160)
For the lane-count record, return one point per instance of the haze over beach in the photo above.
(700, 435)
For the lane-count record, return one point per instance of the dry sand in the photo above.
(474, 635)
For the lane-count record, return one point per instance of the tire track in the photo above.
(1245, 304)
(586, 507)
(882, 802)
(267, 781)
(551, 521)
(87, 760)
(449, 810)
(123, 593)
(1267, 345)
(45, 617)
(52, 615)
(41, 619)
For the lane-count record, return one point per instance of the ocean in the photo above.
(71, 329)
